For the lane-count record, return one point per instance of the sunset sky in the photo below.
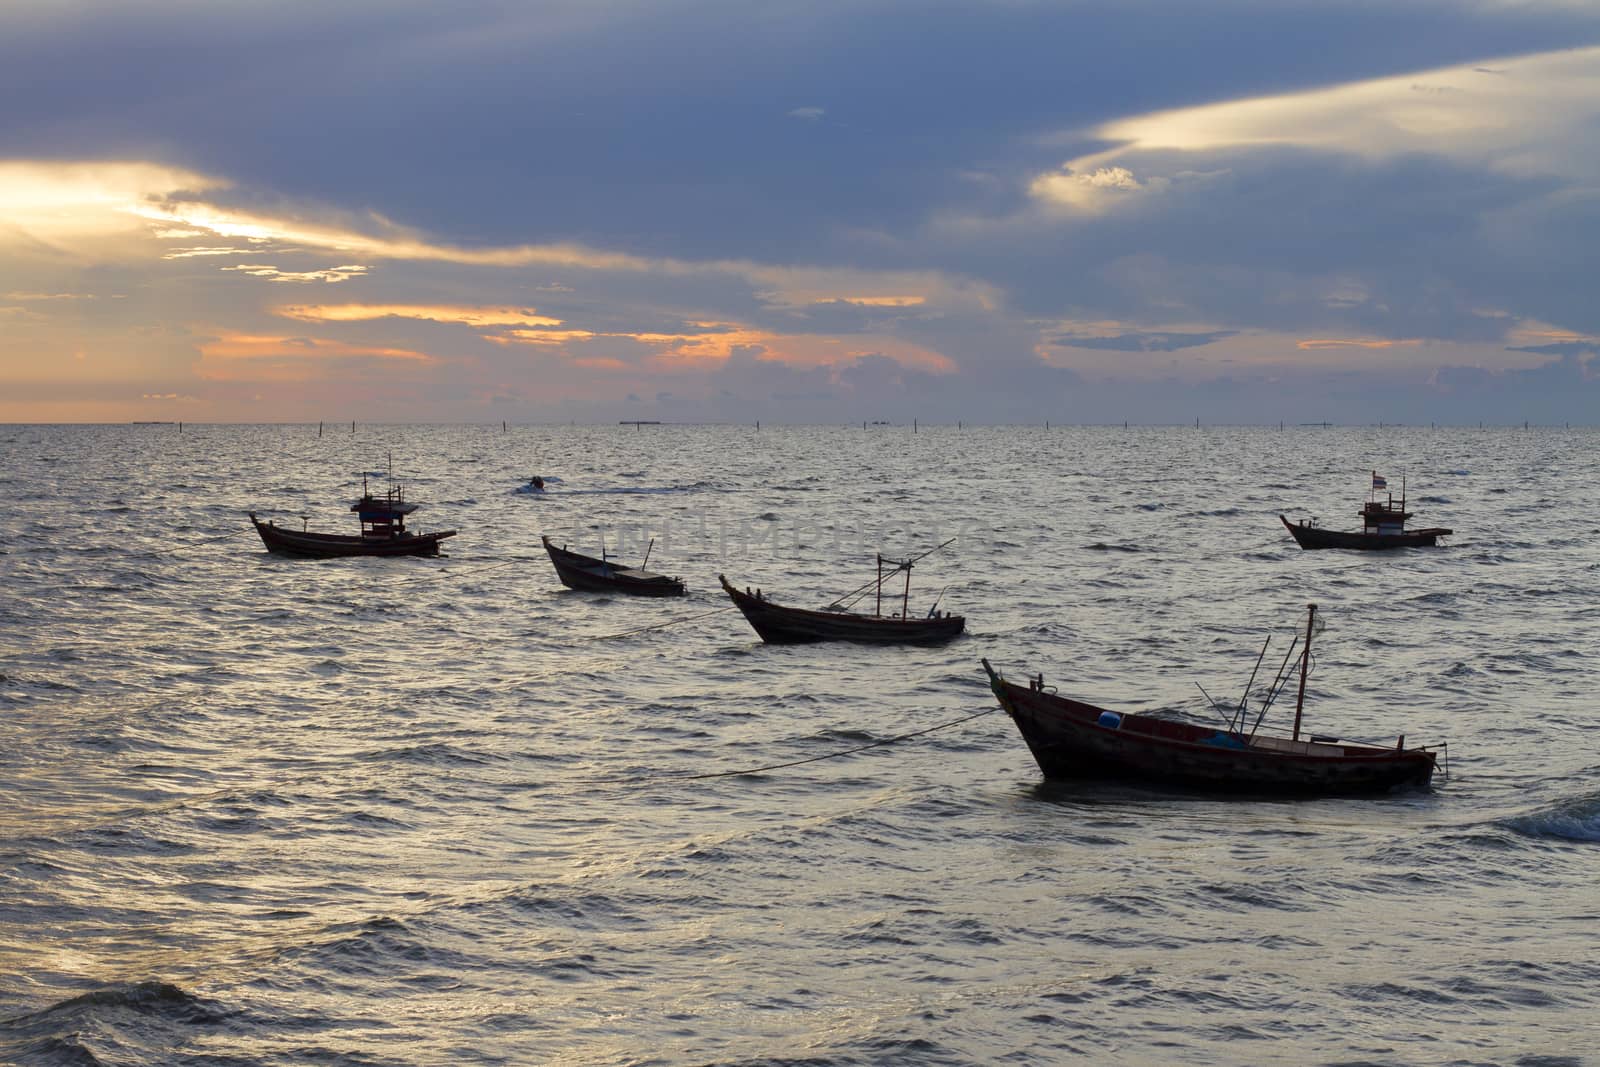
(729, 210)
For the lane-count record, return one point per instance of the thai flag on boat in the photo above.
(1379, 481)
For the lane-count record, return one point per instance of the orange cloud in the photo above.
(241, 346)
(476, 317)
(1335, 342)
(540, 337)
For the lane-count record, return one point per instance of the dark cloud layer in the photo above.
(738, 139)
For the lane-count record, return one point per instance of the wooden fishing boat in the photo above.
(383, 532)
(1073, 740)
(603, 575)
(778, 624)
(1383, 525)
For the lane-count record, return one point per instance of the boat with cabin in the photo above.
(383, 531)
(1383, 525)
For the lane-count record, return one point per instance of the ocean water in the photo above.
(257, 810)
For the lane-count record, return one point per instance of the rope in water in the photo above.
(663, 625)
(224, 537)
(813, 759)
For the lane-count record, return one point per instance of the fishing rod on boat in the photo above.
(1214, 705)
(1275, 688)
(1244, 701)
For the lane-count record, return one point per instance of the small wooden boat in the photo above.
(778, 624)
(383, 532)
(1383, 525)
(603, 575)
(1073, 740)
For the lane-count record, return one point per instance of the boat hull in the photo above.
(780, 625)
(1070, 742)
(592, 575)
(310, 545)
(1316, 537)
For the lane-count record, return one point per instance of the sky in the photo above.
(1241, 211)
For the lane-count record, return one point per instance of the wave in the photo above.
(1574, 819)
(140, 1013)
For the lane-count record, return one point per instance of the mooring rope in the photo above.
(809, 759)
(663, 625)
(224, 537)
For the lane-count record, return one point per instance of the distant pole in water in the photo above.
(913, 425)
(958, 424)
(319, 429)
(352, 425)
(758, 426)
(502, 425)
(180, 427)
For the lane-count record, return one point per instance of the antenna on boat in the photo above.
(1305, 667)
(647, 553)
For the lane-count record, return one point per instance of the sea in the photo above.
(257, 810)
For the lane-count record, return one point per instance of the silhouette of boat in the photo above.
(383, 532)
(603, 575)
(778, 624)
(1383, 525)
(1073, 740)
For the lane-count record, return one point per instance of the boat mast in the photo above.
(905, 603)
(878, 611)
(1305, 665)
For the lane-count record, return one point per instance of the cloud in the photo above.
(1144, 342)
(808, 114)
(1519, 124)
(466, 315)
(237, 346)
(1336, 342)
(330, 275)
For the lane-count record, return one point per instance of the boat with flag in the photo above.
(1383, 525)
(1073, 740)
(383, 531)
(780, 624)
(606, 575)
